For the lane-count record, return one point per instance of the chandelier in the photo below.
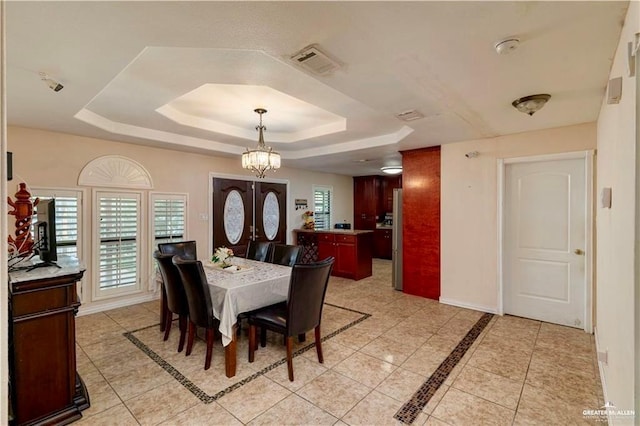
(263, 158)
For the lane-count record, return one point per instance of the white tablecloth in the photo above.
(260, 284)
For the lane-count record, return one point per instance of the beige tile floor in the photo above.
(518, 371)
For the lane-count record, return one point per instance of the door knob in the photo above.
(578, 252)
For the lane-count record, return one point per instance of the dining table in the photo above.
(245, 286)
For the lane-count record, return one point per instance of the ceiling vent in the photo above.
(410, 115)
(314, 60)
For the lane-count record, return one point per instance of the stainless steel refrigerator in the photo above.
(396, 259)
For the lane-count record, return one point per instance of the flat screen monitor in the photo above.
(45, 231)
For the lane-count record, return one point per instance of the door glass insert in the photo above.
(271, 216)
(233, 216)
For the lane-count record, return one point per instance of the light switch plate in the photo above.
(603, 357)
(605, 199)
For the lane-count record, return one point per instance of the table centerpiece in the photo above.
(222, 256)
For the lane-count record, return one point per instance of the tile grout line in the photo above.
(202, 395)
(412, 408)
(524, 381)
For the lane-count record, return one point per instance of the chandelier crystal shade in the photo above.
(262, 158)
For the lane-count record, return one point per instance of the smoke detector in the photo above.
(313, 59)
(410, 115)
(504, 47)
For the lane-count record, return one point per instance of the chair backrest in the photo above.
(307, 288)
(185, 249)
(259, 250)
(287, 255)
(197, 290)
(174, 289)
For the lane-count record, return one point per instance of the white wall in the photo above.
(4, 288)
(469, 225)
(48, 159)
(616, 164)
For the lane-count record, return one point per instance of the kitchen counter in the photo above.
(381, 226)
(336, 231)
(351, 248)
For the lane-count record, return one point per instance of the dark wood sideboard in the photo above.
(45, 387)
(352, 250)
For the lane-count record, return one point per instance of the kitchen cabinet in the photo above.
(366, 207)
(45, 387)
(383, 243)
(352, 250)
(372, 198)
(342, 248)
(389, 183)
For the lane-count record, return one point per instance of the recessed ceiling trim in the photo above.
(222, 108)
(103, 123)
(249, 133)
(382, 140)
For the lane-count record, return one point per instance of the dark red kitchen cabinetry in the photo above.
(383, 243)
(352, 250)
(365, 201)
(372, 199)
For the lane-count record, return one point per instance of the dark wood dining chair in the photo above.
(259, 250)
(199, 300)
(175, 296)
(301, 313)
(186, 249)
(284, 254)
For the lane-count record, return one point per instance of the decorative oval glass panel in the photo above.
(271, 216)
(233, 214)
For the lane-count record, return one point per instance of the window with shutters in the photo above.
(118, 243)
(169, 218)
(322, 206)
(68, 219)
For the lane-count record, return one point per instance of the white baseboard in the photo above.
(601, 371)
(92, 308)
(466, 305)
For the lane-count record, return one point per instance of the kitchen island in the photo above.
(352, 249)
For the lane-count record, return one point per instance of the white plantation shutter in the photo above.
(169, 218)
(67, 219)
(322, 207)
(118, 230)
(67, 226)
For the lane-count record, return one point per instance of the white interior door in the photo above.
(544, 241)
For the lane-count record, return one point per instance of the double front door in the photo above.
(248, 210)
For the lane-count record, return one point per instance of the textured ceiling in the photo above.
(187, 75)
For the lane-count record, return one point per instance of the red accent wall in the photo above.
(421, 222)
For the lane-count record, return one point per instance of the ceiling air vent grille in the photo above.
(314, 60)
(410, 115)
